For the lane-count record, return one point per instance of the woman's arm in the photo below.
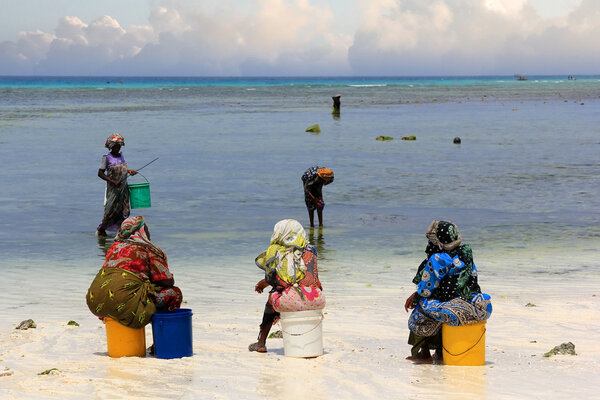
(411, 302)
(105, 177)
(260, 286)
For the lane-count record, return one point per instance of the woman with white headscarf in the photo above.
(290, 265)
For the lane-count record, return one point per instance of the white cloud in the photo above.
(295, 37)
(507, 7)
(72, 29)
(473, 37)
(104, 31)
(34, 45)
(167, 20)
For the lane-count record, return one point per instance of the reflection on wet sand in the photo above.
(455, 377)
(317, 239)
(104, 243)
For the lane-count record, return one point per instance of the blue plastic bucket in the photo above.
(172, 333)
(139, 195)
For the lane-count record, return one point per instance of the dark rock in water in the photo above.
(314, 129)
(73, 323)
(565, 348)
(409, 138)
(276, 335)
(382, 138)
(456, 140)
(530, 305)
(24, 325)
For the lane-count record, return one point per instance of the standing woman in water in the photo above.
(113, 169)
(313, 180)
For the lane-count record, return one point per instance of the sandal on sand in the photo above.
(258, 348)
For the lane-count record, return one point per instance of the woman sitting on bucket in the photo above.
(290, 265)
(447, 292)
(135, 280)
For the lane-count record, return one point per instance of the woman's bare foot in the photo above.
(259, 348)
(438, 356)
(422, 357)
(418, 360)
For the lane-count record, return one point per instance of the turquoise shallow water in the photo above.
(522, 185)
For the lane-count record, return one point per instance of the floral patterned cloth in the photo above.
(133, 251)
(438, 267)
(427, 318)
(138, 259)
(113, 139)
(307, 298)
(116, 201)
(307, 295)
(282, 261)
(443, 236)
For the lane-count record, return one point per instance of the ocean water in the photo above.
(522, 186)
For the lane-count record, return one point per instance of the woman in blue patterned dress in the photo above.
(447, 291)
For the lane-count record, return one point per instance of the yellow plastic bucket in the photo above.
(464, 345)
(124, 341)
(139, 195)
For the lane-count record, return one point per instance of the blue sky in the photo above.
(299, 37)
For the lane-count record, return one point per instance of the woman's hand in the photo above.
(260, 286)
(166, 283)
(410, 302)
(132, 172)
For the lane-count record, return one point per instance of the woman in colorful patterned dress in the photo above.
(313, 180)
(447, 292)
(135, 280)
(113, 170)
(290, 265)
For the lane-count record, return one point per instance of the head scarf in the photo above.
(130, 226)
(326, 174)
(133, 230)
(289, 232)
(114, 139)
(284, 255)
(443, 235)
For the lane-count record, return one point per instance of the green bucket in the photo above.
(139, 195)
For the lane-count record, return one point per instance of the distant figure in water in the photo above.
(313, 180)
(447, 292)
(113, 169)
(336, 104)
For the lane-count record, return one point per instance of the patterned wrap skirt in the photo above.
(298, 299)
(429, 315)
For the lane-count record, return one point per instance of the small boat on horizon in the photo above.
(520, 77)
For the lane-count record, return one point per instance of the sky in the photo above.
(299, 37)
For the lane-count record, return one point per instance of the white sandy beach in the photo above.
(364, 341)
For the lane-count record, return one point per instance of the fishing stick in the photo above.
(148, 164)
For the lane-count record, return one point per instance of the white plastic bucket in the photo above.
(302, 333)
